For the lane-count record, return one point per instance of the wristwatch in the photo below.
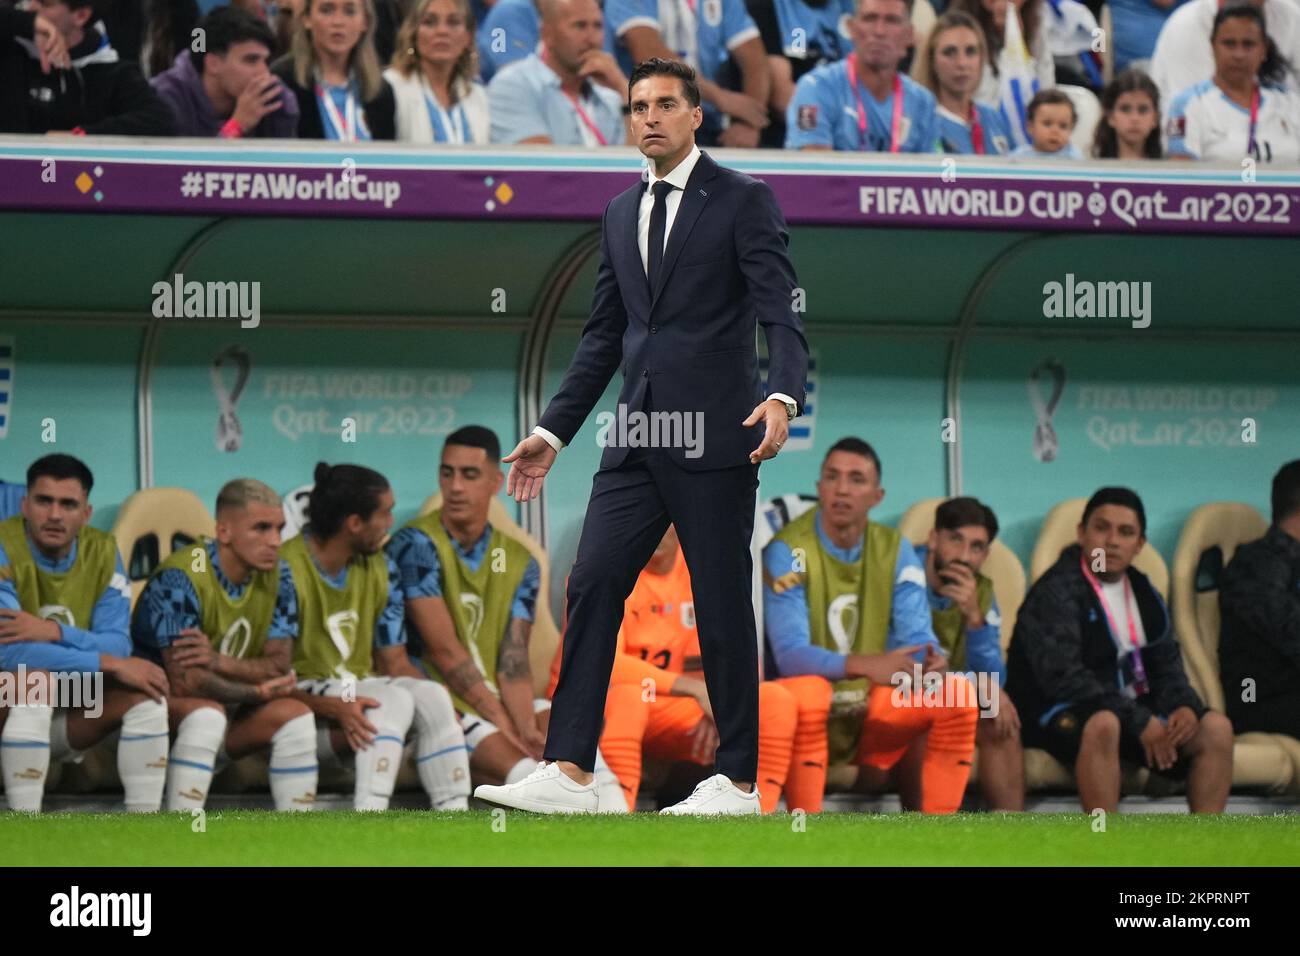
(791, 411)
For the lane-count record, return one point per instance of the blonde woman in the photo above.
(434, 76)
(333, 70)
(951, 66)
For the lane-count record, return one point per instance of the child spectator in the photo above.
(1051, 119)
(1129, 127)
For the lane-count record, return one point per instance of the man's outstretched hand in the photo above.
(532, 459)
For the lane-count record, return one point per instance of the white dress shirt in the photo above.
(678, 177)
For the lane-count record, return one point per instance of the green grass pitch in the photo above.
(253, 838)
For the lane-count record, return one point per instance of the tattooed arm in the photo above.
(515, 681)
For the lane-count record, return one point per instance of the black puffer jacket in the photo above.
(1062, 651)
(1260, 637)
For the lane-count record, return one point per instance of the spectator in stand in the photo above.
(1052, 120)
(1129, 127)
(229, 91)
(798, 37)
(992, 18)
(433, 76)
(59, 74)
(1259, 643)
(571, 93)
(951, 66)
(511, 30)
(1242, 111)
(334, 72)
(1184, 53)
(896, 115)
(1135, 25)
(712, 36)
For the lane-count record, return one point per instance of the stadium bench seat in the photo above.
(1088, 109)
(154, 522)
(1210, 537)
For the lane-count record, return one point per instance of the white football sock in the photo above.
(610, 796)
(377, 765)
(142, 756)
(521, 770)
(441, 754)
(293, 764)
(25, 755)
(193, 758)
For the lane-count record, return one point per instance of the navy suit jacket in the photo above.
(691, 339)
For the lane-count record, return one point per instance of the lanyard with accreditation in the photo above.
(894, 144)
(586, 120)
(976, 131)
(453, 126)
(1140, 686)
(348, 127)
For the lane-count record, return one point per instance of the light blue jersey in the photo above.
(814, 33)
(824, 112)
(955, 135)
(702, 33)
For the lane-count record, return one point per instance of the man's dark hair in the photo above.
(1125, 497)
(60, 467)
(1052, 97)
(962, 512)
(658, 66)
(477, 436)
(224, 27)
(342, 490)
(1286, 491)
(79, 4)
(858, 447)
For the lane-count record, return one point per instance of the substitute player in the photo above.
(658, 702)
(64, 608)
(221, 617)
(350, 617)
(845, 608)
(470, 595)
(968, 623)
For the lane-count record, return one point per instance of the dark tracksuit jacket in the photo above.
(1062, 651)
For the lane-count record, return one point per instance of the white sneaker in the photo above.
(717, 796)
(548, 789)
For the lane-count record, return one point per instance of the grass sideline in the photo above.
(414, 838)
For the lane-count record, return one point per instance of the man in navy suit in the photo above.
(692, 258)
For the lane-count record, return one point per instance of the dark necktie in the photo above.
(658, 220)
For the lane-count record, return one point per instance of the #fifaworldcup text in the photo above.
(348, 187)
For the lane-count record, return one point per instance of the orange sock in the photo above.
(805, 784)
(949, 753)
(945, 768)
(778, 715)
(626, 715)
